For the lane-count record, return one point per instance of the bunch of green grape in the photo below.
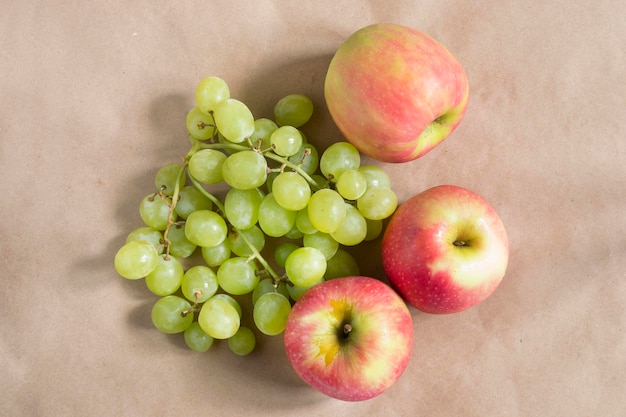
(281, 190)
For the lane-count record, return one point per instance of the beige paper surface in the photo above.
(93, 101)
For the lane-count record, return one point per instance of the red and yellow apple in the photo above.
(395, 92)
(350, 338)
(445, 250)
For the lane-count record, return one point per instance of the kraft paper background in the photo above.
(93, 96)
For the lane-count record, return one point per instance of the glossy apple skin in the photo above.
(422, 261)
(394, 92)
(374, 354)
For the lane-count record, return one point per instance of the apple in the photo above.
(445, 250)
(349, 338)
(394, 92)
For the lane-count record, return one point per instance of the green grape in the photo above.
(337, 158)
(377, 203)
(293, 110)
(166, 176)
(165, 279)
(205, 228)
(154, 211)
(196, 339)
(326, 210)
(180, 246)
(291, 191)
(275, 220)
(324, 242)
(282, 251)
(270, 313)
(238, 275)
(303, 223)
(243, 342)
(216, 255)
(136, 259)
(351, 184)
(171, 314)
(147, 234)
(295, 291)
(240, 247)
(241, 207)
(307, 158)
(234, 120)
(218, 318)
(374, 229)
(375, 176)
(342, 264)
(353, 229)
(263, 129)
(305, 266)
(286, 141)
(245, 170)
(206, 166)
(200, 125)
(294, 233)
(191, 199)
(230, 300)
(199, 283)
(267, 285)
(211, 91)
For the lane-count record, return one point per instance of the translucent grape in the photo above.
(282, 251)
(154, 211)
(180, 246)
(342, 264)
(351, 184)
(270, 313)
(166, 176)
(216, 255)
(305, 266)
(291, 191)
(294, 233)
(374, 229)
(200, 125)
(339, 157)
(230, 300)
(353, 229)
(275, 220)
(242, 207)
(307, 158)
(377, 203)
(324, 242)
(243, 342)
(240, 247)
(293, 110)
(191, 199)
(166, 277)
(199, 283)
(267, 285)
(326, 210)
(206, 166)
(136, 259)
(295, 291)
(303, 223)
(218, 318)
(211, 91)
(375, 176)
(286, 141)
(196, 339)
(245, 170)
(263, 129)
(205, 228)
(234, 120)
(147, 234)
(169, 314)
(237, 276)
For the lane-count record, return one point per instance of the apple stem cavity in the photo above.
(460, 243)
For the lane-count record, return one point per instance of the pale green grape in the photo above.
(324, 242)
(351, 184)
(166, 178)
(295, 291)
(216, 255)
(291, 191)
(326, 210)
(307, 158)
(230, 300)
(267, 285)
(199, 283)
(282, 251)
(165, 279)
(286, 141)
(339, 157)
(240, 247)
(171, 314)
(205, 228)
(303, 223)
(305, 266)
(294, 233)
(234, 120)
(377, 203)
(243, 342)
(147, 234)
(245, 170)
(196, 339)
(154, 211)
(200, 125)
(136, 259)
(263, 129)
(374, 229)
(275, 220)
(218, 318)
(211, 91)
(180, 246)
(237, 276)
(241, 207)
(353, 229)
(191, 199)
(293, 110)
(342, 264)
(206, 166)
(375, 176)
(270, 313)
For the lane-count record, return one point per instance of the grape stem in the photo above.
(172, 206)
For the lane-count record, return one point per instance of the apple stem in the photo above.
(347, 328)
(460, 243)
